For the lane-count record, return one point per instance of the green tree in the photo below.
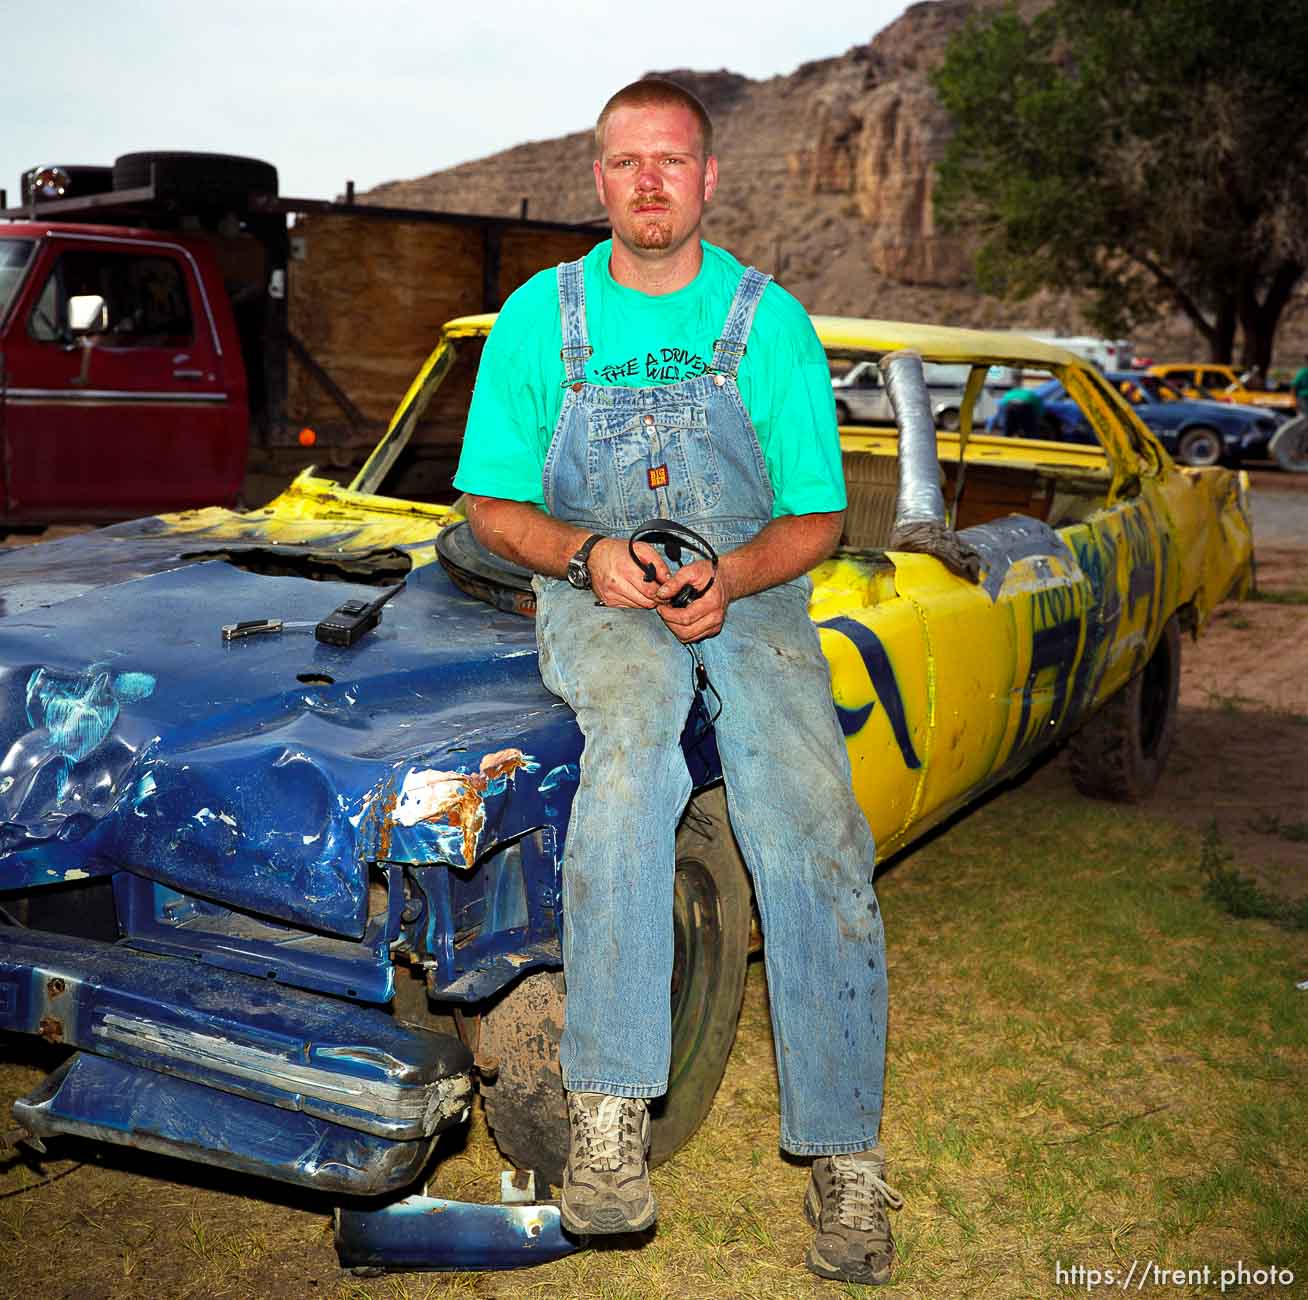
(1151, 152)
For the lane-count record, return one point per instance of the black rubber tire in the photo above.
(1199, 447)
(1120, 753)
(524, 1099)
(1289, 445)
(948, 420)
(196, 175)
(842, 414)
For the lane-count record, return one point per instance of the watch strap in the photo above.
(582, 554)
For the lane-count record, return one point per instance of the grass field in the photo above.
(1090, 1063)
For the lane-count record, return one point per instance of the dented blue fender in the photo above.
(256, 771)
(271, 820)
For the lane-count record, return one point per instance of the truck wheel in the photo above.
(524, 1099)
(1289, 445)
(948, 419)
(1200, 446)
(196, 175)
(1121, 752)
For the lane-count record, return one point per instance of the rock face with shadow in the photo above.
(827, 180)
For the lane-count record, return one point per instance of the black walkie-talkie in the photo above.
(348, 622)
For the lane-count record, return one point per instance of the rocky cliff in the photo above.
(827, 173)
(827, 178)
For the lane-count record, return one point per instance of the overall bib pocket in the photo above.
(658, 460)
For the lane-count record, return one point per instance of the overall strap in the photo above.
(729, 349)
(572, 311)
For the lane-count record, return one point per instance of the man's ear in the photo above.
(710, 177)
(598, 171)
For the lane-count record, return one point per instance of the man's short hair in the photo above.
(655, 92)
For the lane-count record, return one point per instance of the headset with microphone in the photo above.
(674, 538)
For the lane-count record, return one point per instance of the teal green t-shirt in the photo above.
(641, 340)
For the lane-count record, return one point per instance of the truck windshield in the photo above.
(13, 258)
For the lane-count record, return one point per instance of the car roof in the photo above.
(853, 334)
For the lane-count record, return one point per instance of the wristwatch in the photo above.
(578, 573)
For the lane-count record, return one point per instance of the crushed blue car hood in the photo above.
(263, 772)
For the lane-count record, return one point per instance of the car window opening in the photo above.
(1012, 407)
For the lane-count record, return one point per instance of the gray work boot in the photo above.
(606, 1182)
(846, 1202)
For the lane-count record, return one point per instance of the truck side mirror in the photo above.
(88, 313)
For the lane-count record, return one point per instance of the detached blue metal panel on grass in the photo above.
(429, 1233)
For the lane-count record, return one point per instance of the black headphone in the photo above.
(674, 538)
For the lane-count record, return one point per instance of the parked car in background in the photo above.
(1195, 433)
(861, 395)
(1223, 384)
(280, 868)
(1107, 354)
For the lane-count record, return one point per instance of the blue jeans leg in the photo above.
(628, 680)
(811, 856)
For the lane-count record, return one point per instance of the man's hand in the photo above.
(618, 581)
(704, 616)
(785, 548)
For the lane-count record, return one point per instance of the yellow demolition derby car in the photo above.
(1092, 562)
(258, 770)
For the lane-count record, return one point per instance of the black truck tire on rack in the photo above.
(519, 1037)
(196, 175)
(1121, 751)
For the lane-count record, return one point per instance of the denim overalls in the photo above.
(687, 451)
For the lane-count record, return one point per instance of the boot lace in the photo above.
(608, 1135)
(861, 1194)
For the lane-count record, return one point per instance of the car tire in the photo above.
(1199, 446)
(196, 175)
(948, 419)
(1289, 445)
(1120, 753)
(519, 1038)
(842, 414)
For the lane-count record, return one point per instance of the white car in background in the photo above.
(861, 396)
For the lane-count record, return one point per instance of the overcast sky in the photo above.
(371, 92)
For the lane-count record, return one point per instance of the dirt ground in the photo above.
(107, 1222)
(1241, 755)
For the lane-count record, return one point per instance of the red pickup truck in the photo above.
(122, 387)
(162, 331)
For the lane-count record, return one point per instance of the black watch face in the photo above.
(578, 574)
